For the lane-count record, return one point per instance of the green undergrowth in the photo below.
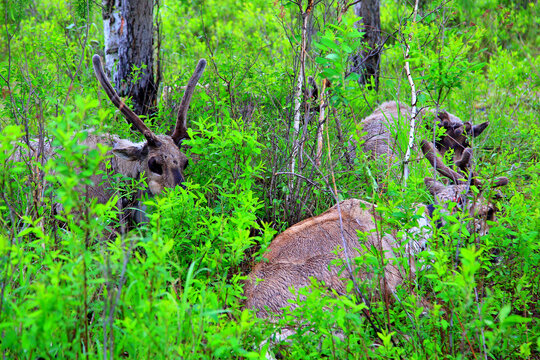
(76, 282)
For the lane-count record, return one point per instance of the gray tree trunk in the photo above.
(129, 40)
(366, 63)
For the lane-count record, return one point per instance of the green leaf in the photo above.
(346, 48)
(516, 319)
(353, 77)
(320, 46)
(332, 56)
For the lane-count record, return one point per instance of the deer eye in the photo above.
(490, 214)
(155, 166)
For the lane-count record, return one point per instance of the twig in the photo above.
(414, 111)
(300, 82)
(368, 314)
(322, 107)
(464, 332)
(127, 255)
(481, 327)
(70, 87)
(298, 175)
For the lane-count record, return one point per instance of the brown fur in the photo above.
(379, 141)
(307, 250)
(479, 209)
(132, 160)
(159, 158)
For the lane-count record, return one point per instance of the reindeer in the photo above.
(379, 140)
(159, 157)
(312, 247)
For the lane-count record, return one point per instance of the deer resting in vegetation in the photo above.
(308, 248)
(379, 140)
(159, 157)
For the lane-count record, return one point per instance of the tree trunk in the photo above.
(366, 63)
(129, 39)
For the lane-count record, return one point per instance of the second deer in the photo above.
(312, 247)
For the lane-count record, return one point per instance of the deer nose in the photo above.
(178, 177)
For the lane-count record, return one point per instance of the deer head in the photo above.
(460, 192)
(457, 134)
(380, 141)
(159, 157)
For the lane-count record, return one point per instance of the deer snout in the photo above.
(155, 187)
(178, 177)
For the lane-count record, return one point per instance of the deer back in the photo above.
(379, 140)
(310, 248)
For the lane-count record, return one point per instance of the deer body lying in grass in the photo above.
(307, 250)
(312, 247)
(379, 140)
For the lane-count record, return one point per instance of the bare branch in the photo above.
(322, 107)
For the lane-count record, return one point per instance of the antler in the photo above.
(476, 130)
(119, 103)
(180, 131)
(431, 155)
(465, 159)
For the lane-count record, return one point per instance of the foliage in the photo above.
(78, 282)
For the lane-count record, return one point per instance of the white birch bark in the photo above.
(414, 111)
(322, 107)
(298, 96)
(129, 33)
(112, 27)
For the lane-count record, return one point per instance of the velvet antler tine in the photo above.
(119, 103)
(465, 158)
(431, 155)
(444, 119)
(180, 131)
(502, 181)
(478, 129)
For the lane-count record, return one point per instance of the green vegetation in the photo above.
(172, 288)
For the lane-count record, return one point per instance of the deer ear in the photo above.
(434, 186)
(129, 151)
(478, 129)
(444, 119)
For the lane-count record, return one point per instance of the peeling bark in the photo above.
(129, 37)
(298, 96)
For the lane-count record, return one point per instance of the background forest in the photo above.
(172, 287)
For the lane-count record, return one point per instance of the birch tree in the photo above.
(129, 39)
